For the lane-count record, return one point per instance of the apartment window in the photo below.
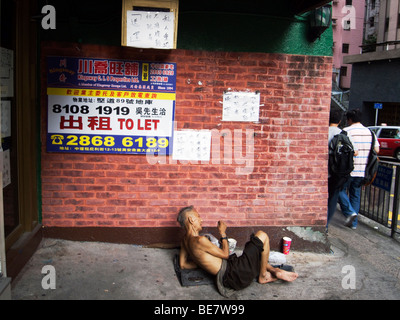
(347, 25)
(343, 71)
(345, 48)
(371, 21)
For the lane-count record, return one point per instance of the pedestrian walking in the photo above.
(341, 161)
(350, 195)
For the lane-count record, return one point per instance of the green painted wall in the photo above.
(250, 33)
(99, 22)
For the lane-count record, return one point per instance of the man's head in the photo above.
(335, 117)
(189, 216)
(353, 116)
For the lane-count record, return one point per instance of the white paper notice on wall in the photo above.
(6, 167)
(241, 106)
(194, 145)
(5, 109)
(6, 73)
(150, 29)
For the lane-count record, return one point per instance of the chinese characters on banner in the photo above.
(110, 106)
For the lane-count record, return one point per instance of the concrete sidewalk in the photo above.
(92, 270)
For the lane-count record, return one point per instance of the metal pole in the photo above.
(2, 236)
(376, 117)
(395, 209)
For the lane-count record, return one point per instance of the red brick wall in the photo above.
(286, 187)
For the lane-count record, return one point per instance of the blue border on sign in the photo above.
(91, 143)
(110, 74)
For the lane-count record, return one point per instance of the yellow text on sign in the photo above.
(111, 94)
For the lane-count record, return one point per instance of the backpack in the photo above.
(341, 159)
(372, 165)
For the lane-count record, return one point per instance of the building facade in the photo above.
(371, 21)
(267, 172)
(377, 68)
(348, 27)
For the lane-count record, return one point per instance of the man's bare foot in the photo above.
(277, 274)
(285, 275)
(266, 277)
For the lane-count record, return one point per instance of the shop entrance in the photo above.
(8, 119)
(19, 130)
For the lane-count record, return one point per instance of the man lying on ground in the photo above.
(232, 272)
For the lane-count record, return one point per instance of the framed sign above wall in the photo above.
(149, 23)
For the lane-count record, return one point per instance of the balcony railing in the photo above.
(387, 45)
(380, 201)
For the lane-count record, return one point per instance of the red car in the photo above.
(389, 140)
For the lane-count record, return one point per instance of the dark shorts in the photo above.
(241, 271)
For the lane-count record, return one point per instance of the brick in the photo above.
(286, 187)
(84, 166)
(105, 209)
(74, 187)
(63, 194)
(137, 203)
(116, 202)
(105, 223)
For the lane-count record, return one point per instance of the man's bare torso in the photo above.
(195, 249)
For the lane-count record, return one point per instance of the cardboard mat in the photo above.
(192, 277)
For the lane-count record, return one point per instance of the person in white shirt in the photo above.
(335, 117)
(350, 196)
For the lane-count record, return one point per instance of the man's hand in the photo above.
(222, 228)
(224, 243)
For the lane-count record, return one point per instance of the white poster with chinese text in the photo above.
(110, 106)
(150, 29)
(241, 106)
(192, 145)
